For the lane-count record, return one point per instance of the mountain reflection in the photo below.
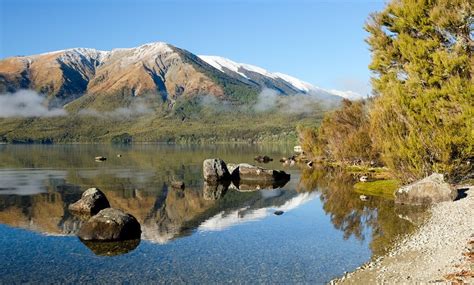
(35, 195)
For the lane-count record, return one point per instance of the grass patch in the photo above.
(381, 188)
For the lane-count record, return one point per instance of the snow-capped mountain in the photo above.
(84, 77)
(276, 79)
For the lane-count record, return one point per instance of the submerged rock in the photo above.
(215, 170)
(110, 225)
(263, 159)
(431, 189)
(92, 201)
(278, 213)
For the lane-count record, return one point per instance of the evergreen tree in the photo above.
(422, 117)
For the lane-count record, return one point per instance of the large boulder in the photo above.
(215, 170)
(247, 172)
(92, 201)
(431, 189)
(110, 225)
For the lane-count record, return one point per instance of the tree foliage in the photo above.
(422, 117)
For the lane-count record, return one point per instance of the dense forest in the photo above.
(420, 117)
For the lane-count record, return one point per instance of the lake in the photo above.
(187, 236)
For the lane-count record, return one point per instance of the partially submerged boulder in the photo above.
(92, 201)
(110, 225)
(247, 172)
(431, 189)
(215, 170)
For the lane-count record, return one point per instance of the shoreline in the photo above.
(439, 251)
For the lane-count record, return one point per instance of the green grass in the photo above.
(381, 188)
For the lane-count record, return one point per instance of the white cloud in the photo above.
(26, 103)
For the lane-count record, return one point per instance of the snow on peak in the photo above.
(220, 63)
(156, 47)
(240, 68)
(86, 52)
(299, 84)
(75, 54)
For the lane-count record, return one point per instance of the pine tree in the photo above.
(422, 117)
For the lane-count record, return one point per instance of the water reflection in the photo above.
(39, 183)
(111, 248)
(353, 216)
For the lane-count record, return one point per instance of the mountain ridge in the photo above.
(157, 68)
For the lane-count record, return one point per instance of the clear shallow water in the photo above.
(187, 236)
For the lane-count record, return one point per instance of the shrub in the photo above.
(343, 135)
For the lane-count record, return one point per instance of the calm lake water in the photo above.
(187, 236)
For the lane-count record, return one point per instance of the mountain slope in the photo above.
(154, 92)
(109, 79)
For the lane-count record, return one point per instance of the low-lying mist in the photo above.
(28, 103)
(25, 104)
(300, 103)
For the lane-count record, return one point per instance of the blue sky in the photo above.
(321, 42)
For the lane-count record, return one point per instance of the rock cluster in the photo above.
(103, 223)
(218, 176)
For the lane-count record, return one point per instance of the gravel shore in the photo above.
(441, 250)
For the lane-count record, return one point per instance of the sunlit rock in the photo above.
(431, 189)
(214, 170)
(92, 201)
